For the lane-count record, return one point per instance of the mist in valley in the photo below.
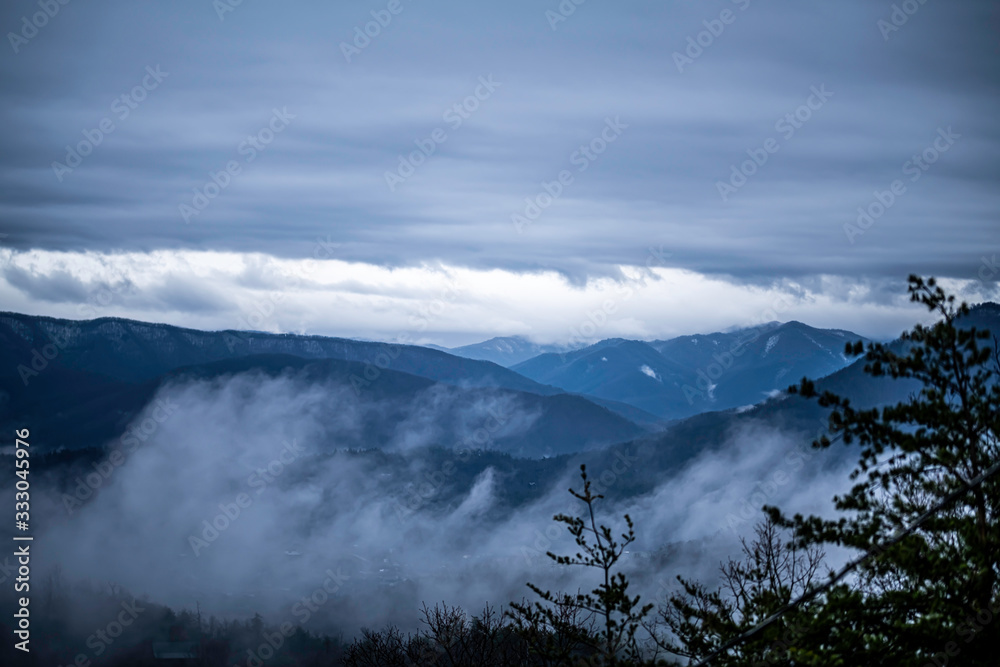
(250, 495)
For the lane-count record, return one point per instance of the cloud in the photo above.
(59, 286)
(324, 175)
(239, 501)
(438, 303)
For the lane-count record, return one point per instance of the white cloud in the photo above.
(428, 302)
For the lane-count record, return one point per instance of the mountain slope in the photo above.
(80, 383)
(505, 351)
(131, 350)
(621, 370)
(396, 405)
(683, 376)
(658, 454)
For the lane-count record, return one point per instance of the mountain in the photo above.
(658, 454)
(757, 362)
(134, 351)
(866, 391)
(684, 376)
(505, 351)
(68, 407)
(622, 370)
(404, 411)
(86, 389)
(79, 384)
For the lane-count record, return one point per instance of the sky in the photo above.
(452, 171)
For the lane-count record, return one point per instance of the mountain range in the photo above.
(688, 375)
(82, 382)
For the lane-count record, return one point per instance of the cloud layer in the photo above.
(235, 502)
(444, 304)
(277, 126)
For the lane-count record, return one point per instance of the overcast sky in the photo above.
(116, 115)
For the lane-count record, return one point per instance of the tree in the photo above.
(926, 505)
(599, 626)
(451, 639)
(769, 576)
(256, 627)
(384, 648)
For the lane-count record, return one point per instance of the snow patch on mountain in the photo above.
(19, 327)
(771, 342)
(650, 372)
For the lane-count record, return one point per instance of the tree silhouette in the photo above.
(600, 625)
(769, 575)
(926, 505)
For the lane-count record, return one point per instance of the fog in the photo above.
(243, 500)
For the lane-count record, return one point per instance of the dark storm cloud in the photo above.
(57, 287)
(324, 174)
(187, 295)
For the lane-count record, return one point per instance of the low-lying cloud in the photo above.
(239, 503)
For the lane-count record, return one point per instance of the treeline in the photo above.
(82, 624)
(921, 588)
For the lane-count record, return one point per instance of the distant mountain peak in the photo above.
(686, 375)
(504, 350)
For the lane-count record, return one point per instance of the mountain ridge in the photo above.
(81, 382)
(682, 376)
